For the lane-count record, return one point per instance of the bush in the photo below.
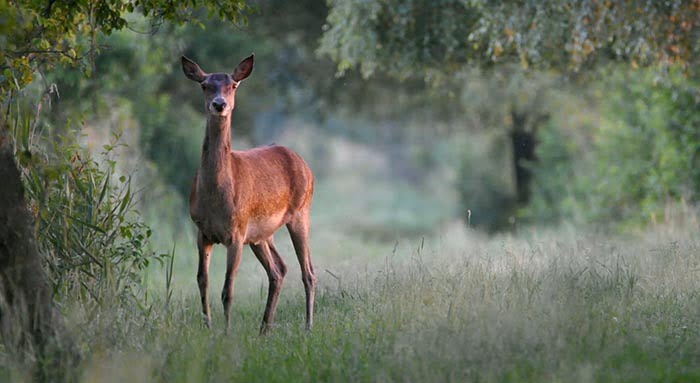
(91, 235)
(643, 155)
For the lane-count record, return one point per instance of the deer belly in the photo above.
(262, 228)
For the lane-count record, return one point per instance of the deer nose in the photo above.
(218, 104)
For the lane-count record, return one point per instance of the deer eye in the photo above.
(204, 86)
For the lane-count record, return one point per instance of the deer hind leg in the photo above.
(204, 249)
(299, 231)
(234, 254)
(276, 270)
(276, 257)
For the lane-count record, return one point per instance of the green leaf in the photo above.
(88, 224)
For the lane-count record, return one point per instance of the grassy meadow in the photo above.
(552, 306)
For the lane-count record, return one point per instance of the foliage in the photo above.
(38, 34)
(92, 239)
(371, 34)
(644, 154)
(429, 39)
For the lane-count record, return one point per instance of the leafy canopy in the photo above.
(38, 34)
(431, 38)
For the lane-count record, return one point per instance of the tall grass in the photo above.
(562, 306)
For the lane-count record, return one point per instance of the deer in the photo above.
(243, 197)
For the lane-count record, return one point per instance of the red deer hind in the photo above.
(243, 197)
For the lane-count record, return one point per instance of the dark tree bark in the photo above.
(523, 137)
(29, 322)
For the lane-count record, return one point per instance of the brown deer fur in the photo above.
(243, 197)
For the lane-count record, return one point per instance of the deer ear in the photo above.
(244, 68)
(192, 70)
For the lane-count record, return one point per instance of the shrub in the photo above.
(91, 235)
(643, 155)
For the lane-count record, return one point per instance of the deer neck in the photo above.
(215, 168)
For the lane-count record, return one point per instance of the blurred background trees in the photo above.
(592, 44)
(435, 39)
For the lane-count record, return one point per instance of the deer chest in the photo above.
(214, 216)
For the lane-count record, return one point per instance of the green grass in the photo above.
(556, 307)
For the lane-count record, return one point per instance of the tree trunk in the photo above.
(523, 137)
(29, 323)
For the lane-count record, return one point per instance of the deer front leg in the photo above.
(204, 248)
(234, 254)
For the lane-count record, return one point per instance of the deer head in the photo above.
(219, 88)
